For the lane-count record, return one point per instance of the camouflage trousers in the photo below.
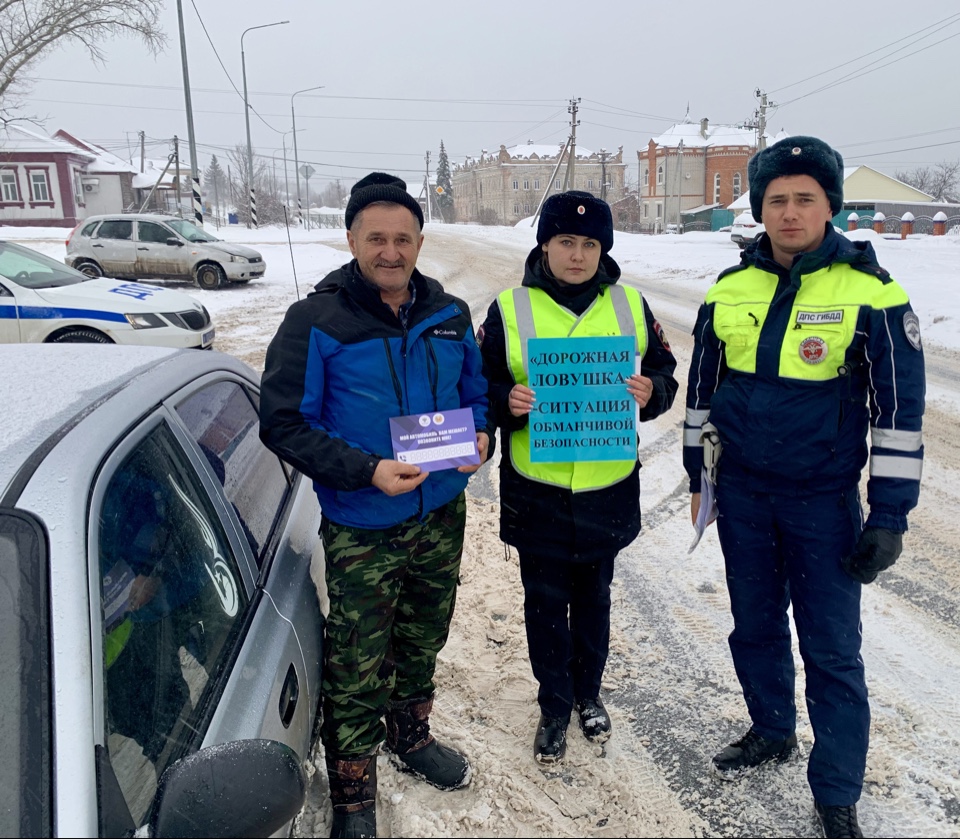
(392, 594)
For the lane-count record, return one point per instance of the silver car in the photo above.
(160, 627)
(138, 247)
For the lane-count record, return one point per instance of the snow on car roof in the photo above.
(44, 385)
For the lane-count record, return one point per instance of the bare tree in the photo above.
(31, 29)
(941, 181)
(269, 197)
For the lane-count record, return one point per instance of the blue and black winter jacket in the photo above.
(341, 365)
(794, 367)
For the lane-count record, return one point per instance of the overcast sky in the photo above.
(399, 78)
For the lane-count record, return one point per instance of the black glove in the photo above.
(876, 550)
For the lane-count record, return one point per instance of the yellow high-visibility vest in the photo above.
(822, 321)
(532, 313)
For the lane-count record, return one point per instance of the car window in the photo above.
(190, 231)
(25, 722)
(152, 232)
(30, 269)
(116, 229)
(224, 422)
(89, 228)
(173, 604)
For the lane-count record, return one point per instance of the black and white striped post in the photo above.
(194, 164)
(253, 206)
(197, 200)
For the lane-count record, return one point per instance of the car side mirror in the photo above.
(242, 788)
(173, 240)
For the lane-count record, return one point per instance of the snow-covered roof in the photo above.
(152, 170)
(716, 135)
(700, 209)
(16, 138)
(528, 150)
(104, 162)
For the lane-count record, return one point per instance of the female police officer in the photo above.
(568, 521)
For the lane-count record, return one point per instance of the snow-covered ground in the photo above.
(670, 684)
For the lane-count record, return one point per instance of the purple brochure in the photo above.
(440, 440)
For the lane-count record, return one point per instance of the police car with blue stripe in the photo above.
(44, 301)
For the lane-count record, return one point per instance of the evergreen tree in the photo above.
(445, 199)
(215, 185)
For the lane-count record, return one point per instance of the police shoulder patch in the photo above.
(480, 334)
(911, 328)
(658, 330)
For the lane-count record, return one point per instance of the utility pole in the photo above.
(143, 149)
(679, 182)
(761, 115)
(426, 187)
(216, 198)
(176, 175)
(603, 174)
(194, 171)
(574, 122)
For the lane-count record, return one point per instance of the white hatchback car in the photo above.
(745, 229)
(44, 301)
(137, 247)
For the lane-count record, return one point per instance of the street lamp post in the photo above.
(252, 199)
(296, 160)
(286, 182)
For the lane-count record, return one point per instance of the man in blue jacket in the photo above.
(377, 339)
(799, 351)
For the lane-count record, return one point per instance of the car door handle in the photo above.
(289, 697)
(98, 246)
(143, 249)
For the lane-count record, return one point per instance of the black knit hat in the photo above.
(379, 186)
(796, 156)
(578, 214)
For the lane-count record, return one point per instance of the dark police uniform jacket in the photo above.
(794, 366)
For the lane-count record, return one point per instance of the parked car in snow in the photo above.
(161, 634)
(745, 229)
(137, 247)
(42, 300)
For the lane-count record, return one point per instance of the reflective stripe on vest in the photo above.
(822, 323)
(532, 313)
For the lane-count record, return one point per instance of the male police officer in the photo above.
(377, 339)
(798, 351)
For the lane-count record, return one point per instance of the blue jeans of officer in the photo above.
(783, 549)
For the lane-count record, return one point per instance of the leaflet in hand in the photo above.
(440, 440)
(708, 507)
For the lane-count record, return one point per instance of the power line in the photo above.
(625, 112)
(866, 54)
(210, 41)
(308, 116)
(904, 137)
(850, 78)
(518, 103)
(914, 148)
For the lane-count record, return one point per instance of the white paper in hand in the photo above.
(708, 508)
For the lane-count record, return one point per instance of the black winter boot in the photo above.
(594, 719)
(353, 793)
(751, 752)
(550, 743)
(413, 749)
(839, 822)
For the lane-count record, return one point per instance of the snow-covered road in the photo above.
(670, 683)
